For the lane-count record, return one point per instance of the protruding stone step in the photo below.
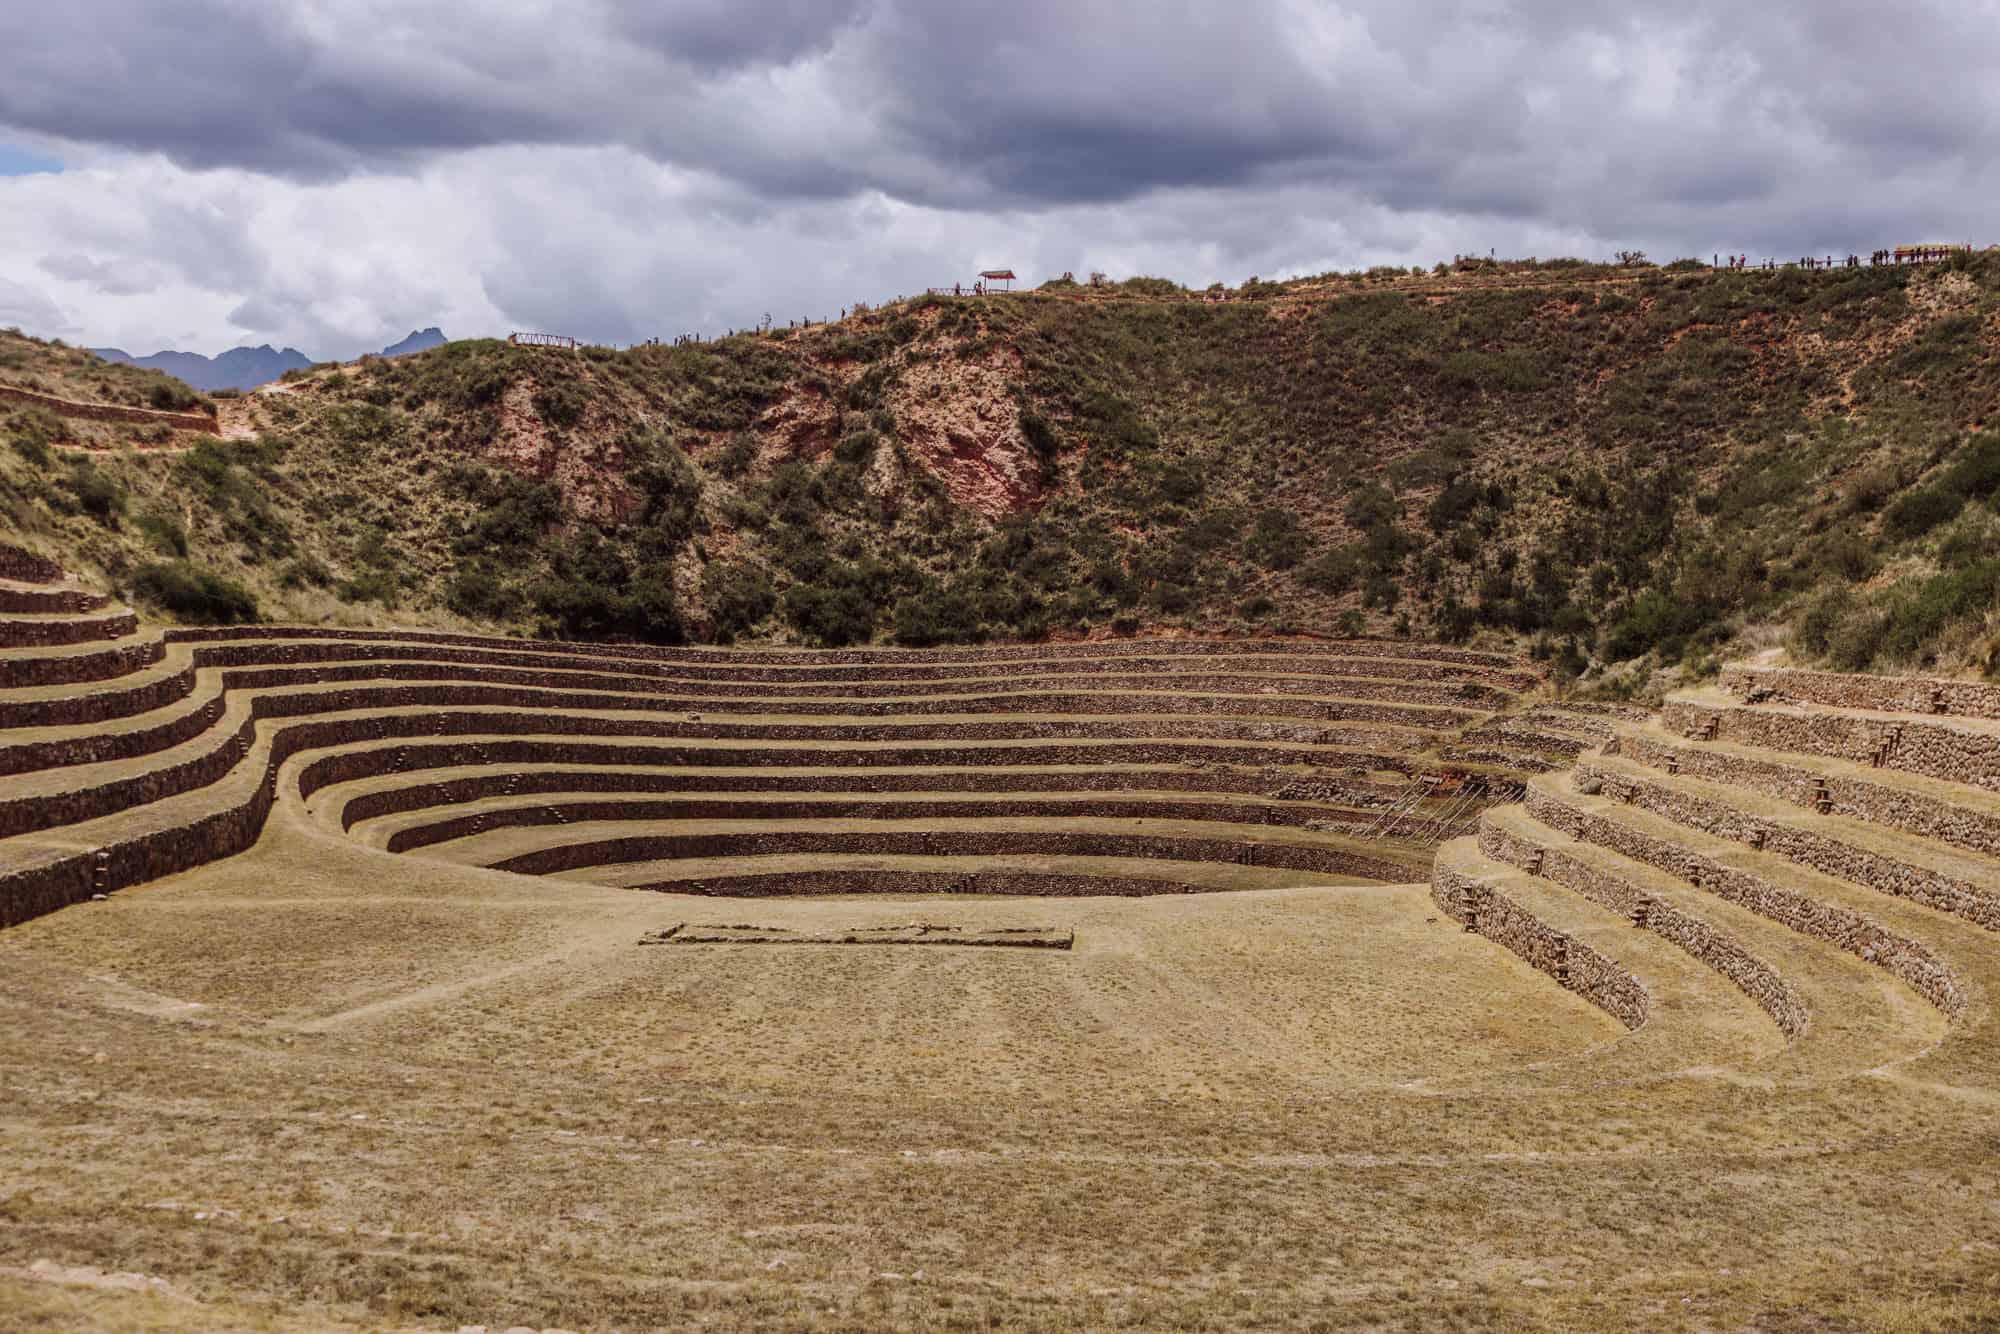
(1810, 904)
(21, 598)
(1885, 860)
(1883, 694)
(1512, 837)
(49, 629)
(1956, 750)
(1925, 808)
(78, 664)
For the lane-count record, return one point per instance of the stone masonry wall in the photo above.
(518, 781)
(1877, 803)
(26, 567)
(1955, 754)
(1698, 939)
(1976, 903)
(764, 884)
(720, 808)
(674, 847)
(1591, 975)
(1891, 694)
(54, 633)
(110, 412)
(1909, 960)
(81, 668)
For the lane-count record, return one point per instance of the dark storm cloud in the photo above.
(1453, 104)
(729, 34)
(631, 168)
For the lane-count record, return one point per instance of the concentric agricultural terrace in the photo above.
(1768, 914)
(1127, 768)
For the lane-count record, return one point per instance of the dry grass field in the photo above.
(1715, 1053)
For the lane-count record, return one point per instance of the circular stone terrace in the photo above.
(1363, 934)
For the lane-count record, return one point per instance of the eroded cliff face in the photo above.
(962, 420)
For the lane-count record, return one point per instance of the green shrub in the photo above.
(937, 614)
(738, 598)
(1334, 572)
(1961, 595)
(1276, 541)
(833, 617)
(306, 572)
(1656, 620)
(734, 459)
(164, 532)
(380, 586)
(32, 430)
(96, 495)
(560, 405)
(194, 595)
(172, 396)
(1040, 435)
(478, 592)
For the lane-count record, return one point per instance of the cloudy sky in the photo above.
(332, 173)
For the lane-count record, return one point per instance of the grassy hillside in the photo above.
(1611, 465)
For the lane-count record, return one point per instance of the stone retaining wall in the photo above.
(1979, 904)
(45, 811)
(111, 412)
(1890, 694)
(1578, 967)
(766, 884)
(99, 747)
(103, 706)
(528, 782)
(1119, 648)
(1025, 695)
(49, 601)
(1877, 803)
(1698, 939)
(1932, 749)
(137, 742)
(1909, 960)
(718, 808)
(775, 843)
(26, 567)
(62, 631)
(639, 675)
(81, 668)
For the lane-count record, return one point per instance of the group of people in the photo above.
(1901, 255)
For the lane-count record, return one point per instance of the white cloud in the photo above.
(332, 174)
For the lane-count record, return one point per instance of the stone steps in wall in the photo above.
(1836, 916)
(1891, 694)
(1879, 858)
(17, 596)
(1512, 837)
(51, 629)
(137, 734)
(79, 664)
(1929, 808)
(1959, 750)
(1695, 1019)
(1841, 1014)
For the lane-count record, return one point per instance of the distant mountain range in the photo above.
(422, 340)
(248, 367)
